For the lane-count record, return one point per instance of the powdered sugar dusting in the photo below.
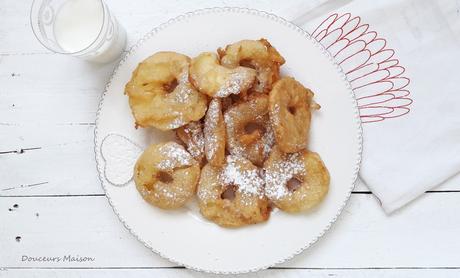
(278, 174)
(275, 115)
(176, 156)
(168, 193)
(181, 95)
(184, 90)
(268, 138)
(248, 181)
(195, 139)
(208, 193)
(164, 192)
(236, 148)
(177, 122)
(213, 116)
(241, 79)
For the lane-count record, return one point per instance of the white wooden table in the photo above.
(52, 204)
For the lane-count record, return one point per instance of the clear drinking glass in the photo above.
(82, 28)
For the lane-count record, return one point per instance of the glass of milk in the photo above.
(82, 28)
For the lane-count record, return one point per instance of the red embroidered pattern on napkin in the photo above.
(375, 75)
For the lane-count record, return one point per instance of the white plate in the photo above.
(183, 236)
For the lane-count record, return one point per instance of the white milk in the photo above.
(78, 24)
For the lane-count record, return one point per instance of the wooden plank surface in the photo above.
(421, 236)
(70, 167)
(137, 18)
(184, 273)
(52, 204)
(50, 113)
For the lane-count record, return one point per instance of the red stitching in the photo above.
(386, 91)
(378, 102)
(351, 43)
(361, 67)
(383, 46)
(341, 31)
(324, 21)
(377, 81)
(372, 105)
(394, 61)
(341, 48)
(399, 74)
(391, 110)
(370, 33)
(386, 64)
(321, 33)
(403, 78)
(354, 28)
(366, 27)
(364, 119)
(402, 96)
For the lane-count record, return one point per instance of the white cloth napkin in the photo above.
(411, 129)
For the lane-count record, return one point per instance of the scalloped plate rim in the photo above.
(99, 159)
